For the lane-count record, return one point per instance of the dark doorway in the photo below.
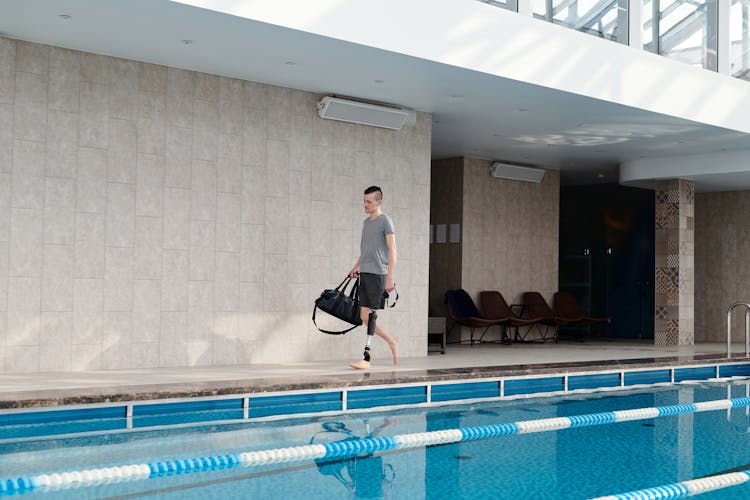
(607, 255)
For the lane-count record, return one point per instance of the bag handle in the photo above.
(344, 283)
(353, 293)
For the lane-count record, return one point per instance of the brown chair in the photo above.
(495, 307)
(568, 309)
(463, 311)
(535, 306)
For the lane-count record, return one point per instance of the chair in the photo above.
(495, 307)
(536, 306)
(568, 309)
(463, 311)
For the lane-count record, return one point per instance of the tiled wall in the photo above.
(722, 263)
(675, 262)
(152, 216)
(509, 234)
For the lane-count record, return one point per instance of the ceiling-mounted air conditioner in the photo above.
(516, 172)
(335, 108)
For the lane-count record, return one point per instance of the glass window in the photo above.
(739, 33)
(603, 18)
(682, 29)
(503, 4)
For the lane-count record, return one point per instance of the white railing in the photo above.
(746, 305)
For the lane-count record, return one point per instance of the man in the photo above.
(375, 266)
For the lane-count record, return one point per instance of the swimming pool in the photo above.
(581, 462)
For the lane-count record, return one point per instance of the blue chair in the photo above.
(463, 311)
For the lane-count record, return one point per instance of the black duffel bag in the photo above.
(340, 305)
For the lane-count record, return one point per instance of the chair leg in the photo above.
(483, 334)
(541, 330)
(504, 337)
(521, 337)
(553, 338)
(546, 332)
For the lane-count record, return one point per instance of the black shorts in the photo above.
(371, 290)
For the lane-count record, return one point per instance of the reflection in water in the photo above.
(364, 476)
(739, 419)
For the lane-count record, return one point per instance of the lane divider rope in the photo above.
(684, 489)
(348, 448)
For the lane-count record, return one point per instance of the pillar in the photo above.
(675, 262)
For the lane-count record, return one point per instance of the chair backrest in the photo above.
(536, 306)
(567, 306)
(460, 304)
(494, 305)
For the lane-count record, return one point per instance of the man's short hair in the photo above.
(375, 189)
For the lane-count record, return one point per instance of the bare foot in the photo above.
(360, 365)
(394, 349)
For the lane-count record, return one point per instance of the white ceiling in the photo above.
(474, 114)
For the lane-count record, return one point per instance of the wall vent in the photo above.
(335, 108)
(516, 172)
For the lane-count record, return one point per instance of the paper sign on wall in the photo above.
(440, 233)
(455, 234)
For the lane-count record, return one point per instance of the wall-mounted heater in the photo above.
(516, 172)
(335, 108)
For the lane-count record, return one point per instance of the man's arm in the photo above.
(355, 269)
(390, 242)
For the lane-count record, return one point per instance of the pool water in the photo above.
(573, 463)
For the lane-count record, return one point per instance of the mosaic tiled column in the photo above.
(675, 262)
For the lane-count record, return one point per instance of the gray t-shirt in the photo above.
(373, 249)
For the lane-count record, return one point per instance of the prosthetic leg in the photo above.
(364, 364)
(370, 332)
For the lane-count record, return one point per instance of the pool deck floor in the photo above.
(459, 362)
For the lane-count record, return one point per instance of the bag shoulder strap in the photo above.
(329, 332)
(395, 300)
